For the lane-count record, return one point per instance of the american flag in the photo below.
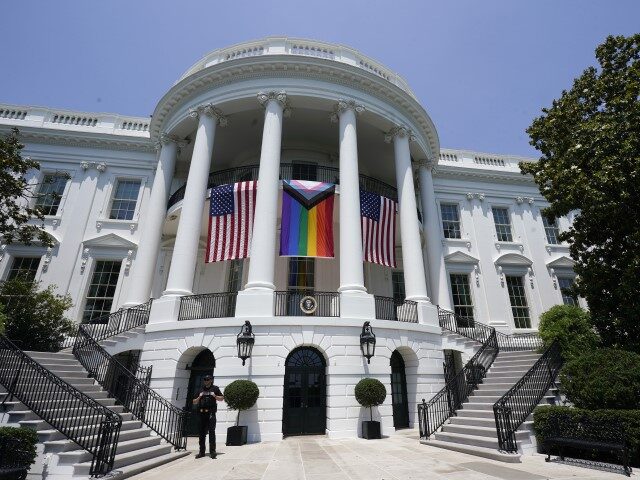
(378, 215)
(231, 221)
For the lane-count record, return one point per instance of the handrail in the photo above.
(133, 393)
(288, 303)
(388, 308)
(443, 405)
(120, 321)
(207, 305)
(513, 408)
(318, 173)
(93, 427)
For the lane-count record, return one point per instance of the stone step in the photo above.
(510, 380)
(489, 422)
(136, 468)
(502, 355)
(128, 458)
(49, 434)
(474, 440)
(506, 373)
(475, 413)
(50, 355)
(67, 445)
(474, 450)
(505, 362)
(480, 431)
(124, 446)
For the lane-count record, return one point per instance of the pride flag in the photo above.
(307, 219)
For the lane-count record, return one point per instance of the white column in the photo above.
(185, 250)
(145, 263)
(431, 223)
(257, 299)
(414, 275)
(354, 301)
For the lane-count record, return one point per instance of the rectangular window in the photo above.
(450, 220)
(551, 230)
(304, 171)
(518, 299)
(50, 193)
(24, 267)
(566, 286)
(503, 224)
(102, 289)
(234, 281)
(397, 282)
(124, 200)
(301, 273)
(462, 301)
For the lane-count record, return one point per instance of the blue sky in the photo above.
(483, 69)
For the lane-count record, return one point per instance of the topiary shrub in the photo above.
(603, 378)
(571, 327)
(370, 393)
(18, 446)
(241, 395)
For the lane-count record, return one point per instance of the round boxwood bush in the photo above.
(19, 445)
(370, 393)
(571, 327)
(603, 379)
(241, 395)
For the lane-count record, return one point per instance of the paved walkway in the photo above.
(400, 457)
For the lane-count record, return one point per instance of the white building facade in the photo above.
(132, 218)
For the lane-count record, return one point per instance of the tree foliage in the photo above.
(589, 140)
(34, 318)
(571, 327)
(16, 214)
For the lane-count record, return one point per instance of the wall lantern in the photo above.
(245, 341)
(367, 341)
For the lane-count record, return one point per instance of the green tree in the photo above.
(16, 215)
(589, 140)
(34, 318)
(571, 327)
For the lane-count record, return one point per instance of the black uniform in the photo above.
(207, 407)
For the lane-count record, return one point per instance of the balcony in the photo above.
(208, 305)
(324, 304)
(289, 171)
(388, 308)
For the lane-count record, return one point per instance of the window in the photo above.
(301, 273)
(566, 289)
(234, 282)
(450, 220)
(503, 224)
(124, 200)
(101, 290)
(50, 193)
(518, 299)
(551, 230)
(24, 267)
(304, 171)
(462, 301)
(397, 282)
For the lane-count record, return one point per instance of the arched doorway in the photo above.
(399, 392)
(305, 397)
(202, 365)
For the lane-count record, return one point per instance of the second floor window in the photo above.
(503, 224)
(234, 281)
(301, 274)
(551, 230)
(566, 289)
(50, 193)
(24, 268)
(124, 201)
(397, 283)
(450, 220)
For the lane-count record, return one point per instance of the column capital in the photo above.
(280, 97)
(397, 132)
(428, 163)
(210, 110)
(342, 106)
(167, 138)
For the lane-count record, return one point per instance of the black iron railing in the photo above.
(465, 326)
(92, 426)
(120, 321)
(289, 171)
(388, 308)
(208, 305)
(445, 403)
(519, 341)
(327, 304)
(130, 390)
(513, 408)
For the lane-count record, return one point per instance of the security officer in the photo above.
(207, 408)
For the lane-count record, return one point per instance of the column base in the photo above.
(357, 305)
(428, 314)
(165, 309)
(255, 302)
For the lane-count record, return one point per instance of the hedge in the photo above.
(28, 438)
(630, 419)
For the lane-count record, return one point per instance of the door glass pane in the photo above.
(462, 301)
(101, 290)
(518, 299)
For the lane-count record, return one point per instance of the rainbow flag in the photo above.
(307, 219)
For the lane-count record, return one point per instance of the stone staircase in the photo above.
(473, 429)
(139, 448)
(466, 346)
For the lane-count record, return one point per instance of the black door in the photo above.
(304, 409)
(202, 365)
(399, 392)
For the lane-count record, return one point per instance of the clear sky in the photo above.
(483, 69)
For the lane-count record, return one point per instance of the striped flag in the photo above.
(231, 213)
(378, 215)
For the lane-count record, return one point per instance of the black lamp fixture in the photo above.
(367, 341)
(245, 341)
